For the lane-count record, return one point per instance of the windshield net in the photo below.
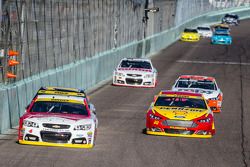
(203, 28)
(181, 102)
(209, 85)
(59, 107)
(231, 16)
(135, 64)
(191, 31)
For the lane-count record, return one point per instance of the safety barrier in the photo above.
(91, 71)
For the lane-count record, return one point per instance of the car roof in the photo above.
(197, 77)
(180, 94)
(61, 91)
(221, 25)
(231, 14)
(207, 27)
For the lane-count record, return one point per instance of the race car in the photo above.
(231, 19)
(190, 35)
(61, 117)
(201, 84)
(183, 114)
(221, 36)
(205, 31)
(221, 27)
(135, 72)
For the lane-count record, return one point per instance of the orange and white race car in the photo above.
(201, 84)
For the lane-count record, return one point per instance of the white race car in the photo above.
(205, 31)
(201, 84)
(59, 117)
(135, 73)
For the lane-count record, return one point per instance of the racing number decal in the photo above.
(156, 122)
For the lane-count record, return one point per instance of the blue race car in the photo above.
(221, 36)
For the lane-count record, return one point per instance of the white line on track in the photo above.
(213, 62)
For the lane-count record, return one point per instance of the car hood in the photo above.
(190, 34)
(179, 113)
(56, 118)
(221, 37)
(206, 93)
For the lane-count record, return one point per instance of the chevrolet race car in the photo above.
(231, 19)
(59, 117)
(221, 36)
(190, 35)
(135, 73)
(182, 114)
(205, 31)
(201, 84)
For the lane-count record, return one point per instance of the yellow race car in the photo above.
(190, 35)
(183, 114)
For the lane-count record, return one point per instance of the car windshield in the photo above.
(221, 27)
(135, 64)
(221, 33)
(180, 102)
(59, 107)
(190, 30)
(204, 28)
(231, 16)
(209, 85)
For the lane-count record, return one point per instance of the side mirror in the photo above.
(92, 108)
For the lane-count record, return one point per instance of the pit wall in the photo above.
(91, 71)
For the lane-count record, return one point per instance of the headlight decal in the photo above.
(119, 74)
(206, 120)
(149, 76)
(152, 116)
(30, 124)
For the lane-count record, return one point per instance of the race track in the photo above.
(121, 141)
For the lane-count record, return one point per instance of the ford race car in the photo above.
(205, 31)
(190, 35)
(201, 84)
(135, 73)
(59, 117)
(221, 36)
(221, 27)
(231, 19)
(182, 114)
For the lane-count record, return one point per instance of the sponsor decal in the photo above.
(179, 116)
(79, 135)
(176, 127)
(55, 130)
(89, 134)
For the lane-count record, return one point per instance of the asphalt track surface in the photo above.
(121, 112)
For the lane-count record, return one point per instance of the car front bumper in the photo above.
(37, 143)
(219, 42)
(134, 82)
(156, 127)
